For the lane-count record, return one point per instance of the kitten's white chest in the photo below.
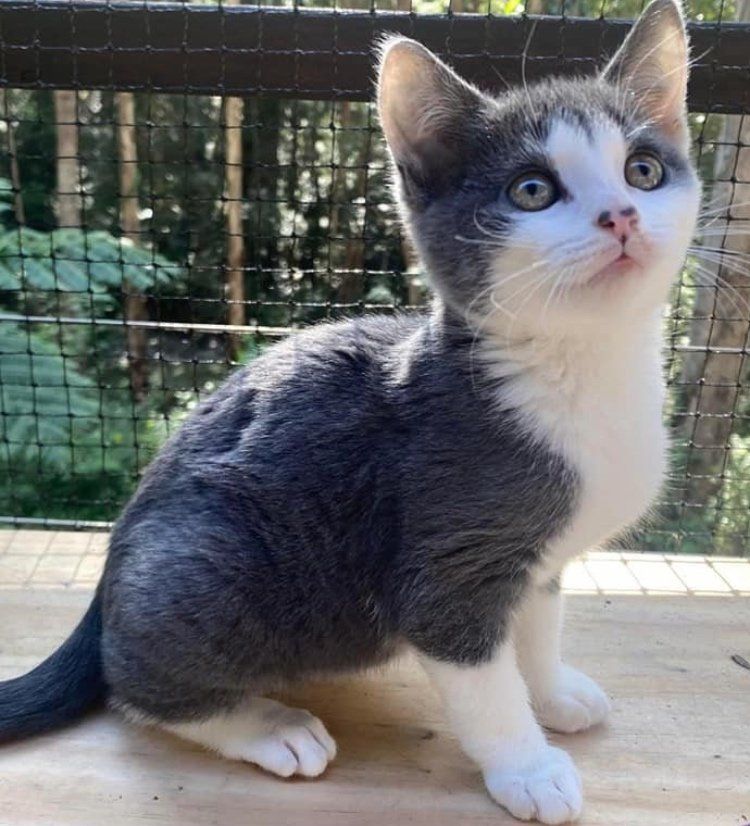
(617, 444)
(601, 408)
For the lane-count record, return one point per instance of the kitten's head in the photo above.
(566, 204)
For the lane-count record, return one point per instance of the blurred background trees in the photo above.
(146, 221)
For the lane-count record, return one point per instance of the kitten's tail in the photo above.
(59, 690)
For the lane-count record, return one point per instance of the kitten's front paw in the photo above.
(547, 788)
(574, 703)
(283, 741)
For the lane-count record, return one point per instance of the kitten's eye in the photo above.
(533, 191)
(644, 171)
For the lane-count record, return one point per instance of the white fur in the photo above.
(488, 708)
(598, 403)
(563, 698)
(282, 740)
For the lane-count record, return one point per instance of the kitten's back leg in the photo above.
(285, 741)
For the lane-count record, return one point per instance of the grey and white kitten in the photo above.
(421, 481)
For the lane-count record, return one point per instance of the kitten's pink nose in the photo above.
(620, 222)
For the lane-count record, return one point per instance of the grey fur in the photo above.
(554, 586)
(350, 490)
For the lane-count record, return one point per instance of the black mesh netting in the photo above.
(155, 230)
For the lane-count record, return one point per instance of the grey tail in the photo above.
(62, 688)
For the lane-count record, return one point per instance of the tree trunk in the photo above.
(136, 307)
(264, 187)
(721, 324)
(235, 243)
(351, 286)
(68, 198)
(15, 174)
(235, 240)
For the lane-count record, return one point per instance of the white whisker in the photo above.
(727, 291)
(727, 262)
(497, 308)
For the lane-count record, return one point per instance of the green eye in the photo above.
(533, 191)
(644, 171)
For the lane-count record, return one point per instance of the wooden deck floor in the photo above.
(659, 633)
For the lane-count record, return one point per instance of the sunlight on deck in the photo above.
(602, 572)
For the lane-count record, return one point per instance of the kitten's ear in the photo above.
(652, 67)
(426, 111)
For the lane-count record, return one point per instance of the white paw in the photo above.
(284, 741)
(574, 703)
(547, 788)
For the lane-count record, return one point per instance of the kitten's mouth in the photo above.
(624, 264)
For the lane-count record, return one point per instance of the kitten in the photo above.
(421, 481)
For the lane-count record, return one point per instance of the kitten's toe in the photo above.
(292, 749)
(548, 789)
(296, 733)
(565, 714)
(320, 733)
(271, 754)
(575, 703)
(311, 757)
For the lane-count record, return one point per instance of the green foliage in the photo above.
(58, 426)
(69, 425)
(44, 398)
(92, 268)
(35, 136)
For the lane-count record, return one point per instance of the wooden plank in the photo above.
(319, 53)
(674, 751)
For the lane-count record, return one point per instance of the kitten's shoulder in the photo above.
(314, 370)
(346, 350)
(367, 334)
(327, 384)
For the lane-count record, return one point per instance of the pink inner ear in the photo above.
(663, 101)
(652, 64)
(407, 94)
(422, 102)
(668, 111)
